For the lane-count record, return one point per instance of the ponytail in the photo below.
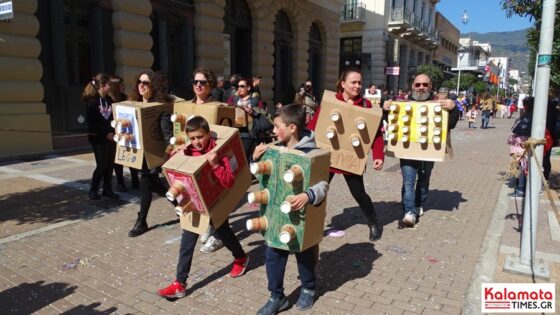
(92, 87)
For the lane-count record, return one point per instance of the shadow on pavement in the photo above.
(444, 200)
(27, 298)
(387, 212)
(342, 265)
(90, 309)
(54, 204)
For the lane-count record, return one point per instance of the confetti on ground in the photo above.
(71, 265)
(336, 233)
(432, 260)
(396, 249)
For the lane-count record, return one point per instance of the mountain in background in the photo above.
(506, 44)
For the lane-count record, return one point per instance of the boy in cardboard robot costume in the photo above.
(293, 174)
(216, 161)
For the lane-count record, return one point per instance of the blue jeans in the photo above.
(485, 118)
(412, 196)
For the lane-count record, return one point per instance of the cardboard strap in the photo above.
(530, 148)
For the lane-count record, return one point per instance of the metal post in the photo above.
(527, 263)
(458, 81)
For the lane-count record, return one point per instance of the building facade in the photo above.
(53, 48)
(473, 56)
(397, 33)
(445, 56)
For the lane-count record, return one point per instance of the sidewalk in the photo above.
(61, 252)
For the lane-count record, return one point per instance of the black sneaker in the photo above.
(274, 306)
(93, 195)
(140, 227)
(306, 299)
(375, 232)
(111, 194)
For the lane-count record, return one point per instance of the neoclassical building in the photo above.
(50, 49)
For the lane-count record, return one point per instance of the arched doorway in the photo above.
(284, 90)
(314, 72)
(173, 48)
(238, 41)
(76, 43)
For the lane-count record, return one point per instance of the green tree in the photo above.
(450, 84)
(467, 80)
(480, 86)
(434, 72)
(533, 10)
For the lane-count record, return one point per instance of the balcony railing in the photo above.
(399, 14)
(353, 12)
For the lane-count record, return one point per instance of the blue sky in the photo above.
(485, 16)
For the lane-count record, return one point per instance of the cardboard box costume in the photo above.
(348, 131)
(215, 113)
(138, 133)
(283, 173)
(192, 183)
(418, 131)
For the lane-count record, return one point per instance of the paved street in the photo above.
(63, 253)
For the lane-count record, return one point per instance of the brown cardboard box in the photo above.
(344, 155)
(142, 127)
(209, 199)
(215, 113)
(307, 224)
(409, 141)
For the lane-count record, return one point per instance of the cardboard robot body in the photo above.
(138, 133)
(215, 113)
(418, 131)
(348, 131)
(291, 172)
(199, 191)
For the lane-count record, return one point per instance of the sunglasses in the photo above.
(201, 82)
(424, 84)
(242, 86)
(146, 83)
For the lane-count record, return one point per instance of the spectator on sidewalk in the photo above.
(100, 133)
(417, 172)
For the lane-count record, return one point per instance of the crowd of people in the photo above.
(291, 125)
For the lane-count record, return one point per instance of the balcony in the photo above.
(355, 12)
(409, 26)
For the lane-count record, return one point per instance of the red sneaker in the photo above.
(239, 266)
(175, 290)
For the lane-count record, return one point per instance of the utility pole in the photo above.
(526, 263)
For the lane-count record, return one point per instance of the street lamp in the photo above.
(461, 52)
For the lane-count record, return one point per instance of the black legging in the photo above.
(149, 182)
(104, 153)
(356, 185)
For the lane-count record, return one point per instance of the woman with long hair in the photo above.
(348, 90)
(150, 87)
(99, 116)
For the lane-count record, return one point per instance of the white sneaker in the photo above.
(212, 245)
(420, 211)
(205, 236)
(409, 219)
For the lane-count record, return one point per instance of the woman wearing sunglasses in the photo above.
(151, 87)
(348, 90)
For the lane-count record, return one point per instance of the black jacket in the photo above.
(99, 116)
